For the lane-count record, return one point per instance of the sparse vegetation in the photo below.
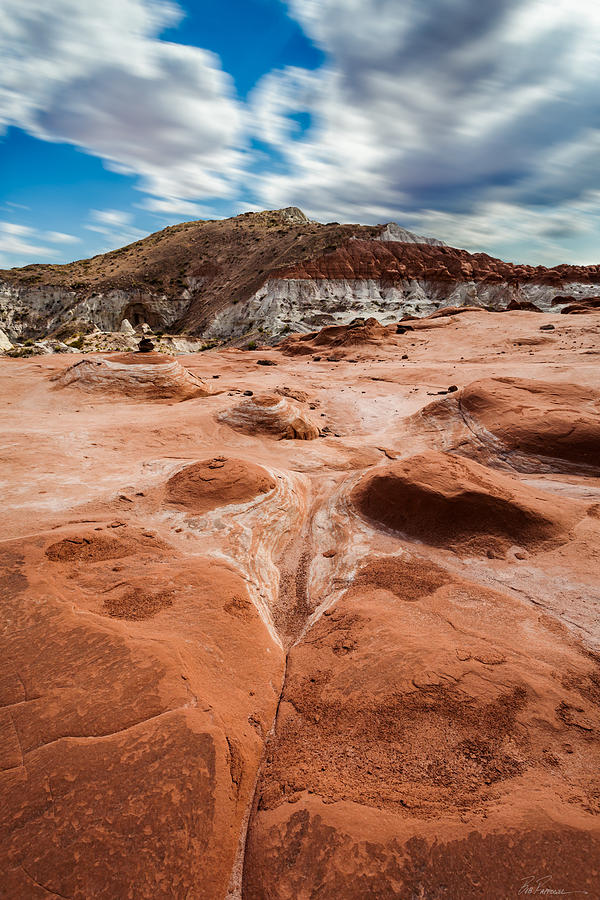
(22, 352)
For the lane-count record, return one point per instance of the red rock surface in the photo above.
(364, 665)
(417, 745)
(451, 502)
(152, 376)
(272, 415)
(391, 261)
(525, 422)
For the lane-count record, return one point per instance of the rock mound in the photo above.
(560, 421)
(583, 305)
(271, 414)
(452, 502)
(144, 376)
(522, 305)
(206, 485)
(361, 331)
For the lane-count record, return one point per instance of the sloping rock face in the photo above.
(5, 344)
(338, 287)
(458, 503)
(528, 424)
(147, 376)
(35, 310)
(366, 665)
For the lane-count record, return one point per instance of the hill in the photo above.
(277, 268)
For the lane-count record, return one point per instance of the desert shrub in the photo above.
(21, 352)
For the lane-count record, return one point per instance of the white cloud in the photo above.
(59, 237)
(20, 243)
(115, 225)
(534, 235)
(14, 228)
(449, 106)
(114, 218)
(97, 76)
(173, 206)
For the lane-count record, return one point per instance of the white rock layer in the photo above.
(302, 305)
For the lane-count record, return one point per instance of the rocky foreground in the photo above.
(308, 622)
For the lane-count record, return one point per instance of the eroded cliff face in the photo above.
(33, 312)
(302, 304)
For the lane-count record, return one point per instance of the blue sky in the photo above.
(476, 122)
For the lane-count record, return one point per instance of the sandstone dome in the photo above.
(270, 414)
(360, 331)
(444, 500)
(206, 485)
(145, 376)
(560, 421)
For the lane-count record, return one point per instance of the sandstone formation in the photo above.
(356, 334)
(273, 415)
(148, 376)
(527, 423)
(367, 665)
(206, 485)
(451, 502)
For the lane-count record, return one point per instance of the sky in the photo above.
(476, 121)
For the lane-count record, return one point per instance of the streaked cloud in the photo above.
(175, 206)
(115, 225)
(97, 76)
(448, 106)
(19, 244)
(60, 237)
